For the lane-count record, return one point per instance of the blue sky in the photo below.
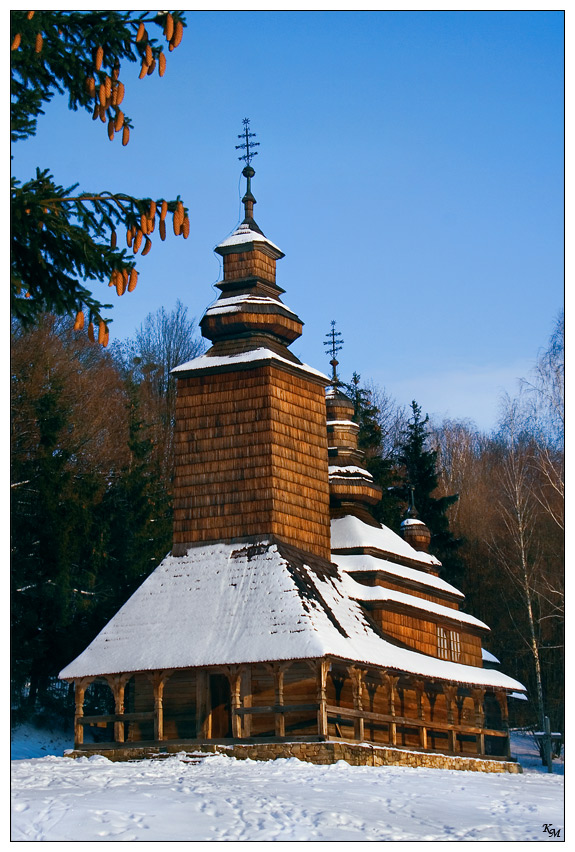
(410, 166)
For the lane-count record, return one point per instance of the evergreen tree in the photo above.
(62, 237)
(418, 470)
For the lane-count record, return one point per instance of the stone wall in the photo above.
(320, 753)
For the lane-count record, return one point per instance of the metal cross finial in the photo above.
(333, 344)
(247, 145)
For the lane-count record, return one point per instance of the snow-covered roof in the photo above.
(262, 353)
(245, 234)
(372, 594)
(350, 470)
(233, 304)
(350, 532)
(352, 563)
(246, 603)
(412, 522)
(487, 657)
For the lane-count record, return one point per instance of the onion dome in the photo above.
(414, 531)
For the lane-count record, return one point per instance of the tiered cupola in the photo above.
(251, 455)
(413, 530)
(351, 487)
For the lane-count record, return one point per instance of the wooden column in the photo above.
(502, 699)
(235, 678)
(322, 670)
(478, 696)
(357, 675)
(203, 716)
(247, 699)
(158, 680)
(390, 680)
(419, 687)
(80, 687)
(117, 684)
(279, 670)
(450, 693)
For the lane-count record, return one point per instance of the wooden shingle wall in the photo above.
(251, 459)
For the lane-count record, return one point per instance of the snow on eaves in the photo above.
(351, 563)
(205, 362)
(244, 234)
(350, 532)
(233, 304)
(340, 472)
(372, 594)
(230, 603)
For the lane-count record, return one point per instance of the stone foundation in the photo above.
(313, 752)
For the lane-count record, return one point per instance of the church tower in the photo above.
(251, 449)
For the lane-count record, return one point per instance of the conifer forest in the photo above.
(91, 473)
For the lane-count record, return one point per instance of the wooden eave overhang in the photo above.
(391, 557)
(406, 582)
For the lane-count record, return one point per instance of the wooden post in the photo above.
(235, 678)
(158, 680)
(203, 716)
(80, 687)
(322, 670)
(391, 681)
(117, 684)
(419, 686)
(247, 693)
(279, 670)
(478, 696)
(356, 675)
(502, 699)
(450, 693)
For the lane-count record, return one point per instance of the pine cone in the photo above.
(103, 116)
(16, 43)
(137, 241)
(116, 71)
(111, 129)
(113, 239)
(163, 211)
(162, 229)
(152, 210)
(152, 68)
(119, 93)
(186, 228)
(147, 247)
(178, 33)
(39, 43)
(162, 64)
(102, 95)
(133, 280)
(169, 28)
(90, 85)
(143, 70)
(91, 332)
(108, 87)
(79, 322)
(101, 332)
(119, 120)
(30, 15)
(96, 113)
(129, 237)
(125, 135)
(99, 58)
(149, 54)
(144, 223)
(141, 32)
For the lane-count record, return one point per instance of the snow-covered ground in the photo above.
(222, 799)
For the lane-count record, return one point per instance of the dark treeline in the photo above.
(91, 473)
(91, 476)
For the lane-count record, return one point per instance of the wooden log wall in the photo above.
(420, 633)
(251, 459)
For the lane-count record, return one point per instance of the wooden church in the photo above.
(285, 613)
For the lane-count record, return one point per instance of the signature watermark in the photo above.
(548, 827)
